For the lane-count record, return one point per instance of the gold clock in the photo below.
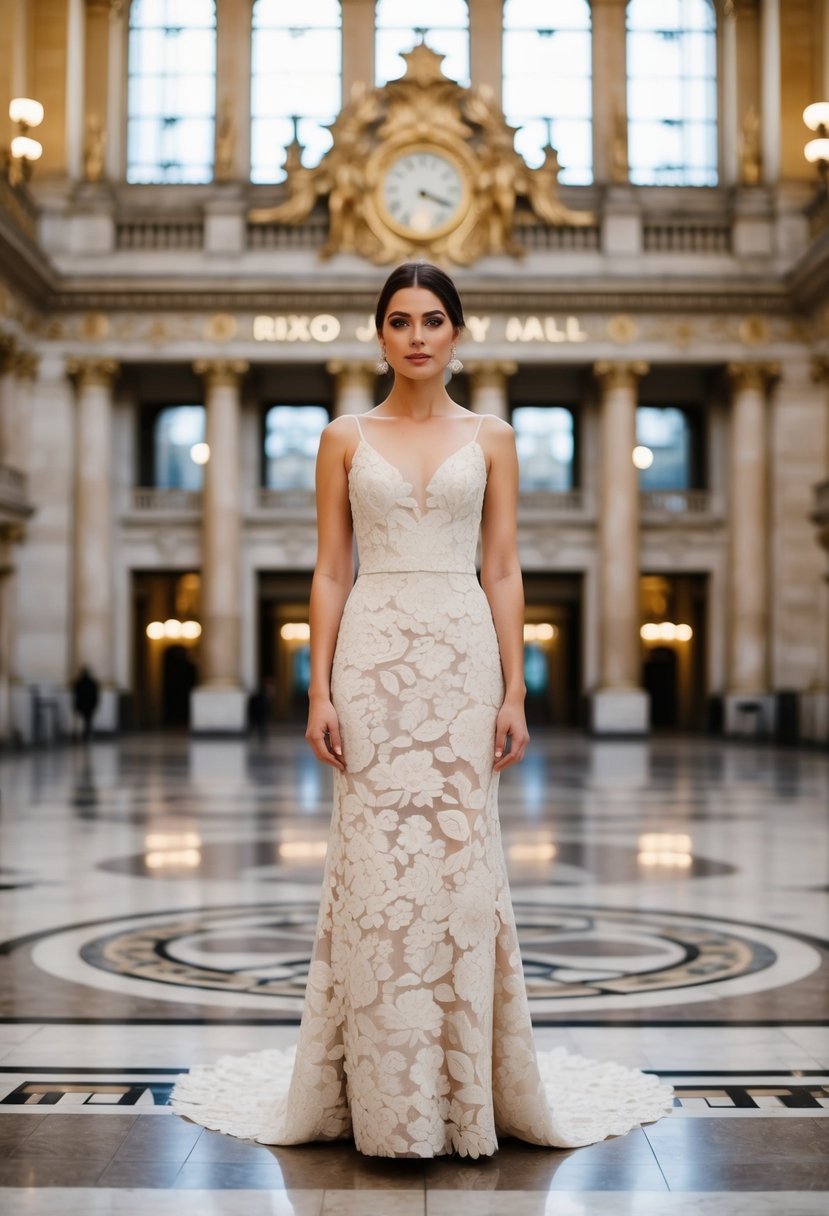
(422, 192)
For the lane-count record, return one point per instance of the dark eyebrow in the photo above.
(436, 312)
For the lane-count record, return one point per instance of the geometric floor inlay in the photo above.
(579, 958)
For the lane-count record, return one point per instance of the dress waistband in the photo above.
(419, 570)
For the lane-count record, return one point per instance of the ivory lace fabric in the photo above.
(416, 1037)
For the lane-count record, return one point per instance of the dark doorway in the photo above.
(552, 648)
(660, 683)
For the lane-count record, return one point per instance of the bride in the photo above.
(416, 1038)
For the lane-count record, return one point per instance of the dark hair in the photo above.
(421, 274)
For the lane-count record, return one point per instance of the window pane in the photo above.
(177, 428)
(296, 73)
(544, 439)
(442, 24)
(672, 92)
(292, 435)
(666, 432)
(171, 90)
(547, 84)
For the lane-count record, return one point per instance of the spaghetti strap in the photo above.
(478, 427)
(359, 428)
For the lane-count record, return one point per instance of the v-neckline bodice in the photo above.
(409, 486)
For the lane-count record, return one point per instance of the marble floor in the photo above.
(157, 904)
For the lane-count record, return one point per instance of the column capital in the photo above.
(612, 374)
(221, 372)
(89, 372)
(751, 375)
(820, 369)
(25, 365)
(8, 349)
(491, 371)
(352, 370)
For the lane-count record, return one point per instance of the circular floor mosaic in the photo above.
(580, 958)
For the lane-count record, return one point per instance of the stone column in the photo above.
(219, 704)
(353, 386)
(619, 705)
(358, 45)
(486, 21)
(7, 417)
(8, 397)
(93, 582)
(748, 583)
(610, 148)
(488, 387)
(770, 90)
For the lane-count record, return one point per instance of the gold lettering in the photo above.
(478, 327)
(298, 329)
(324, 328)
(367, 332)
(552, 331)
(263, 329)
(574, 331)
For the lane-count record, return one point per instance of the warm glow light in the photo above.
(172, 628)
(175, 859)
(666, 849)
(303, 850)
(200, 453)
(816, 115)
(543, 632)
(155, 630)
(642, 457)
(295, 631)
(174, 850)
(26, 110)
(190, 629)
(172, 840)
(665, 631)
(23, 147)
(816, 149)
(545, 851)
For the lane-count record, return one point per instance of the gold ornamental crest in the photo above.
(422, 166)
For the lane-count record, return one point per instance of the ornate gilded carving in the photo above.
(225, 142)
(221, 372)
(620, 375)
(89, 372)
(462, 133)
(94, 148)
(750, 149)
(751, 375)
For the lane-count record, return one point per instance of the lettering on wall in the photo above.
(324, 327)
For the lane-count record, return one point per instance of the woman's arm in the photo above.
(332, 581)
(504, 589)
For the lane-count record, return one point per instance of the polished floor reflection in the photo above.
(157, 901)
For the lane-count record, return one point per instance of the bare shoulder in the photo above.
(497, 438)
(340, 435)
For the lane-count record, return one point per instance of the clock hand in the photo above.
(433, 198)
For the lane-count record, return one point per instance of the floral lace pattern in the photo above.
(416, 1036)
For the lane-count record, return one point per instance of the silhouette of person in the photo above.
(85, 693)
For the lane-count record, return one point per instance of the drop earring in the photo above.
(455, 364)
(382, 365)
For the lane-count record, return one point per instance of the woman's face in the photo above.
(417, 334)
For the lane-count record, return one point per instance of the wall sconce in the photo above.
(25, 113)
(816, 118)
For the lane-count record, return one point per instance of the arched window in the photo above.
(443, 24)
(292, 436)
(296, 78)
(176, 430)
(544, 441)
(672, 92)
(548, 81)
(171, 106)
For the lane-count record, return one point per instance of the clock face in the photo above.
(423, 193)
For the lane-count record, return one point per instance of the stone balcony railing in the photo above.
(686, 507)
(14, 498)
(681, 506)
(152, 500)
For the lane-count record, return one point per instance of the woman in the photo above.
(416, 1037)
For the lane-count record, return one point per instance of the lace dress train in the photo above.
(416, 1037)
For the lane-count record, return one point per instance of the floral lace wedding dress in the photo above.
(416, 1037)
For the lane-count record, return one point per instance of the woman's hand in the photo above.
(511, 721)
(323, 732)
